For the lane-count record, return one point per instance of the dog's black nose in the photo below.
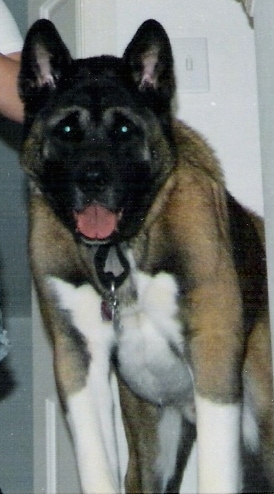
(94, 175)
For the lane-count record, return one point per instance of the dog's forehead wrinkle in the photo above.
(109, 114)
(62, 113)
(94, 93)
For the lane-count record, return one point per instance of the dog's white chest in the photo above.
(150, 343)
(148, 338)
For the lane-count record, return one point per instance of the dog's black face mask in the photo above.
(98, 163)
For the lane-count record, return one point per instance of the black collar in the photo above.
(112, 266)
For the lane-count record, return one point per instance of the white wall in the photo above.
(264, 30)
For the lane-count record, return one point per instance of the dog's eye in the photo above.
(69, 129)
(122, 128)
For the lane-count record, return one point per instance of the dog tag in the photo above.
(110, 307)
(106, 310)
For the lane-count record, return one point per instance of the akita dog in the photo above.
(145, 267)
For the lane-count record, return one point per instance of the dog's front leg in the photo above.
(218, 446)
(91, 417)
(216, 353)
(82, 365)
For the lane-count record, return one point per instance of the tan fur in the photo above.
(191, 208)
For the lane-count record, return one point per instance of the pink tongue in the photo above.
(96, 222)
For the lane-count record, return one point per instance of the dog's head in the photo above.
(97, 138)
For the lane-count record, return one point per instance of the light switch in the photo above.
(191, 64)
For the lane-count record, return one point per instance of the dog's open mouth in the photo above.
(96, 222)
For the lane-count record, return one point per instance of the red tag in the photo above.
(106, 311)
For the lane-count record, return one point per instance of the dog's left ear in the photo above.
(44, 59)
(150, 59)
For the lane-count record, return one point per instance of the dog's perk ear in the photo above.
(150, 59)
(44, 58)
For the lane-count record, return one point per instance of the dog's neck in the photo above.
(112, 269)
(111, 265)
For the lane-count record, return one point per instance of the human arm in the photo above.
(10, 52)
(10, 104)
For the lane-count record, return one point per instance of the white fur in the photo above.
(90, 411)
(169, 434)
(218, 437)
(250, 428)
(151, 343)
(158, 300)
(90, 417)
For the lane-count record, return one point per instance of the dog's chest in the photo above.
(147, 338)
(150, 343)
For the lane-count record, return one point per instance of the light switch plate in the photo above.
(191, 64)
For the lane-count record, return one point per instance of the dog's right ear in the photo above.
(44, 58)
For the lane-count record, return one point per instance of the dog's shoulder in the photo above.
(193, 150)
